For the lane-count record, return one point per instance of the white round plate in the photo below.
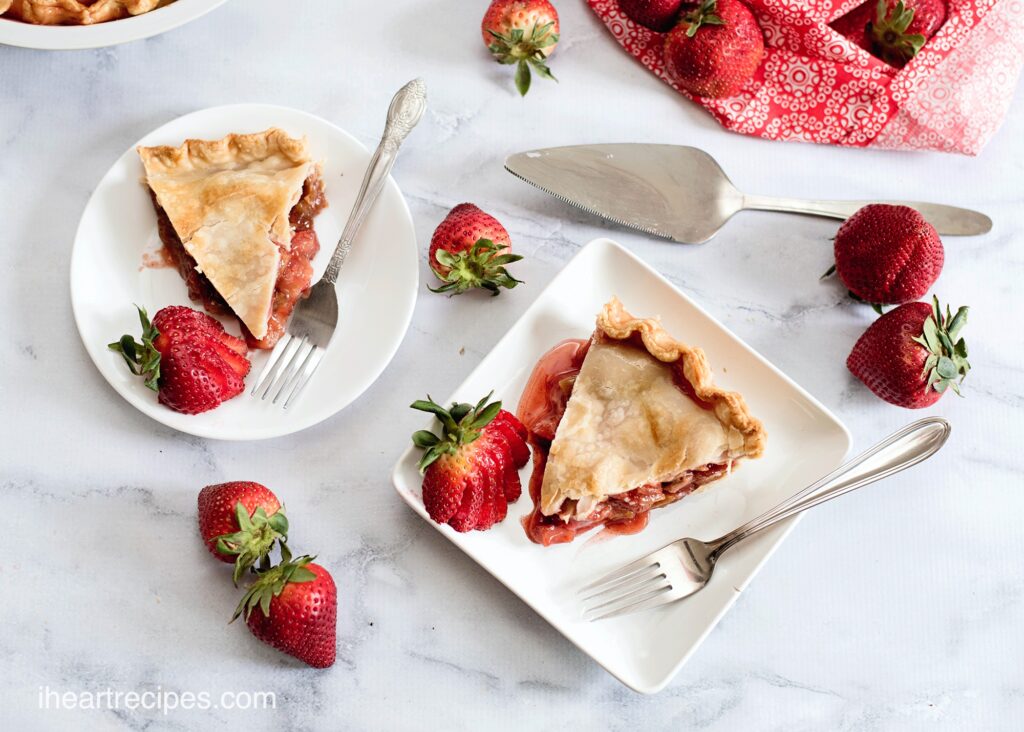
(376, 289)
(69, 37)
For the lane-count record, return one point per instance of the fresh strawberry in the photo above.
(911, 355)
(239, 522)
(893, 30)
(856, 25)
(195, 379)
(294, 608)
(177, 322)
(524, 33)
(658, 15)
(715, 49)
(470, 249)
(188, 358)
(516, 435)
(468, 470)
(888, 254)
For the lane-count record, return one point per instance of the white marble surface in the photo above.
(899, 607)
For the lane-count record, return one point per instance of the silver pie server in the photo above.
(681, 193)
(684, 567)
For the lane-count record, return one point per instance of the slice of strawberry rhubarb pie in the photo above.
(624, 422)
(236, 215)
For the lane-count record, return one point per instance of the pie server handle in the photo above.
(947, 220)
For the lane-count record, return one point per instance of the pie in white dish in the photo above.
(236, 216)
(624, 422)
(74, 12)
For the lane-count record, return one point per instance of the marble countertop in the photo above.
(895, 608)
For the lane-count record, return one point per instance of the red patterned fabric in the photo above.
(815, 85)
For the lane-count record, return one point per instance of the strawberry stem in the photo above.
(946, 366)
(461, 425)
(142, 358)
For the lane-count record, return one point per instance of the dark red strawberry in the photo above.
(240, 521)
(911, 355)
(470, 249)
(508, 426)
(715, 49)
(658, 15)
(294, 608)
(513, 487)
(893, 30)
(888, 254)
(188, 358)
(467, 470)
(856, 25)
(194, 379)
(524, 33)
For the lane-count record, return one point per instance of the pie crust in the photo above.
(643, 419)
(229, 202)
(74, 12)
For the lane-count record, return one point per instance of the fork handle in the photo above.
(405, 111)
(947, 220)
(903, 449)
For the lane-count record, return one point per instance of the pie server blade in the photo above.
(681, 193)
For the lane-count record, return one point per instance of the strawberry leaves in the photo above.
(482, 265)
(461, 425)
(888, 32)
(254, 539)
(706, 14)
(946, 366)
(526, 51)
(271, 582)
(142, 358)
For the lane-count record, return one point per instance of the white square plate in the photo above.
(805, 441)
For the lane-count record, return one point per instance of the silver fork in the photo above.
(685, 566)
(301, 349)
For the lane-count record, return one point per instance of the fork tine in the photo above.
(625, 586)
(268, 367)
(289, 369)
(282, 362)
(654, 598)
(282, 366)
(621, 572)
(315, 357)
(299, 364)
(642, 588)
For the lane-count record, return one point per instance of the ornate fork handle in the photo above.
(405, 112)
(901, 450)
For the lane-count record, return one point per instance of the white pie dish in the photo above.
(377, 287)
(71, 37)
(643, 650)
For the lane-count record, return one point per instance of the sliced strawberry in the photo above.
(236, 361)
(195, 379)
(500, 499)
(237, 345)
(468, 515)
(466, 469)
(177, 322)
(187, 357)
(443, 490)
(513, 421)
(495, 506)
(519, 452)
(513, 486)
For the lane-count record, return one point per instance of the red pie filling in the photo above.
(293, 276)
(541, 408)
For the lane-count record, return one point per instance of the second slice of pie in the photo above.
(236, 215)
(625, 422)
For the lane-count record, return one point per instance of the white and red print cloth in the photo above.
(815, 85)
